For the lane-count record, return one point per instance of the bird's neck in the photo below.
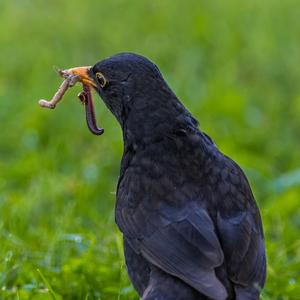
(153, 119)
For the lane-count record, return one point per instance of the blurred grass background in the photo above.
(235, 65)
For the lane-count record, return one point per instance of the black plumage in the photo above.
(190, 223)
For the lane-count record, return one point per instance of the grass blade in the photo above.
(47, 284)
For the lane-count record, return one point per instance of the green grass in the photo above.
(235, 65)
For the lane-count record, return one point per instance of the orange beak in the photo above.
(82, 72)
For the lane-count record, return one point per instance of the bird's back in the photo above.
(182, 192)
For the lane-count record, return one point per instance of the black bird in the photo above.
(191, 227)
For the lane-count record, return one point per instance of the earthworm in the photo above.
(86, 98)
(68, 82)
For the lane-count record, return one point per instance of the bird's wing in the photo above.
(240, 229)
(188, 249)
(244, 250)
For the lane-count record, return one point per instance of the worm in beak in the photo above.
(71, 77)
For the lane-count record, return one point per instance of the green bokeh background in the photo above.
(234, 64)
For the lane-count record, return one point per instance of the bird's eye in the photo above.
(101, 79)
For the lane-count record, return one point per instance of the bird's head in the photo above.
(126, 80)
(134, 90)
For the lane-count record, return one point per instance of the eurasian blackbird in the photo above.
(191, 227)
